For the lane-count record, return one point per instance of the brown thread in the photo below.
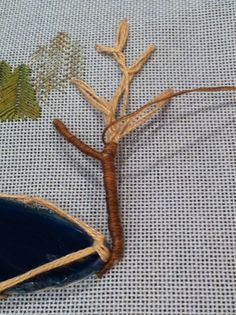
(114, 220)
(117, 127)
(86, 149)
(106, 157)
(157, 100)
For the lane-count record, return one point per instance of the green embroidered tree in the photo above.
(17, 95)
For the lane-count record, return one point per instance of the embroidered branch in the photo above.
(117, 125)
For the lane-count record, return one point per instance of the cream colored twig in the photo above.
(109, 108)
(128, 124)
(155, 104)
(98, 102)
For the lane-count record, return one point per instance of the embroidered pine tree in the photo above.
(117, 125)
(17, 95)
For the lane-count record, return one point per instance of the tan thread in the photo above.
(109, 108)
(117, 125)
(107, 157)
(115, 129)
(47, 204)
(4, 285)
(152, 107)
(98, 245)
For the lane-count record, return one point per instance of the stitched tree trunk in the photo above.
(107, 158)
(117, 125)
(114, 219)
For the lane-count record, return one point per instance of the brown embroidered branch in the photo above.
(106, 157)
(117, 125)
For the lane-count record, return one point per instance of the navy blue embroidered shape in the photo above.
(31, 236)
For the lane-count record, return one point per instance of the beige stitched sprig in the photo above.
(109, 108)
(119, 124)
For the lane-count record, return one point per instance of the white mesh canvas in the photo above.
(176, 174)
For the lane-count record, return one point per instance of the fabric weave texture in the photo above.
(176, 174)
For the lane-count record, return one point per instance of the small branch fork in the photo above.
(107, 157)
(117, 125)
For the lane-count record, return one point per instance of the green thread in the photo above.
(17, 95)
(55, 64)
(5, 72)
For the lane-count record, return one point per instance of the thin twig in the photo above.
(83, 147)
(156, 100)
